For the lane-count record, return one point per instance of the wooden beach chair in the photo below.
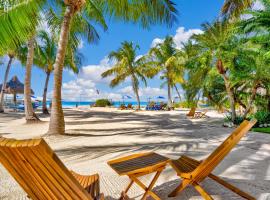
(42, 175)
(193, 172)
(196, 114)
(191, 113)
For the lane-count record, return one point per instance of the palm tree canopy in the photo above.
(168, 59)
(45, 54)
(18, 21)
(127, 65)
(234, 8)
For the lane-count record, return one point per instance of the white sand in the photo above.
(97, 135)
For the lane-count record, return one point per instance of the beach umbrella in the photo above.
(160, 97)
(15, 86)
(126, 97)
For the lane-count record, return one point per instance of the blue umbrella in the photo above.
(160, 97)
(126, 96)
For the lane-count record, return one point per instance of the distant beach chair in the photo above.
(122, 107)
(42, 175)
(193, 172)
(129, 106)
(196, 114)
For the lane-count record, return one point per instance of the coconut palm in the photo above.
(18, 21)
(137, 11)
(127, 66)
(165, 56)
(214, 41)
(26, 57)
(45, 56)
(234, 8)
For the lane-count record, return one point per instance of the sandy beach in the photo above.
(97, 135)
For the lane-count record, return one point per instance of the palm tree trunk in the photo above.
(169, 96)
(4, 84)
(57, 122)
(30, 116)
(138, 98)
(178, 93)
(44, 101)
(136, 91)
(230, 94)
(229, 90)
(251, 100)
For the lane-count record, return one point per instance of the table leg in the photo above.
(124, 193)
(148, 190)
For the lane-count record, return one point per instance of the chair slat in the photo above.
(40, 172)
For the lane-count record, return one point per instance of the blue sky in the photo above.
(192, 13)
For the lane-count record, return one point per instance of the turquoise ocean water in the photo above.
(72, 104)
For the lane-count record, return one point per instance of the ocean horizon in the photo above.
(72, 104)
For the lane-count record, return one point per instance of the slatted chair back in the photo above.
(39, 171)
(207, 166)
(191, 112)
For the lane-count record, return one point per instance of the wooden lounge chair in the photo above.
(191, 113)
(42, 175)
(196, 114)
(193, 172)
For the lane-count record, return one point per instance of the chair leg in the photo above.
(231, 187)
(180, 188)
(204, 194)
(124, 193)
(147, 190)
(151, 185)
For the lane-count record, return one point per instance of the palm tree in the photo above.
(234, 8)
(214, 41)
(137, 11)
(25, 54)
(15, 32)
(11, 57)
(127, 65)
(166, 58)
(45, 56)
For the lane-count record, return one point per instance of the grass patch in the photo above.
(262, 130)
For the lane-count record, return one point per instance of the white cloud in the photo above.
(143, 92)
(81, 44)
(93, 72)
(156, 41)
(258, 5)
(180, 37)
(183, 36)
(85, 84)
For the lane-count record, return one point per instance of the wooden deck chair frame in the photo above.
(42, 175)
(199, 115)
(193, 172)
(191, 112)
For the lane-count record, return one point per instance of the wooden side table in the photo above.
(138, 165)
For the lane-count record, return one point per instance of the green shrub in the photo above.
(186, 104)
(238, 120)
(263, 117)
(102, 103)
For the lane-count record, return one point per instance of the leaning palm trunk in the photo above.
(30, 116)
(4, 84)
(231, 97)
(57, 122)
(137, 97)
(169, 96)
(178, 93)
(44, 101)
(229, 90)
(251, 100)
